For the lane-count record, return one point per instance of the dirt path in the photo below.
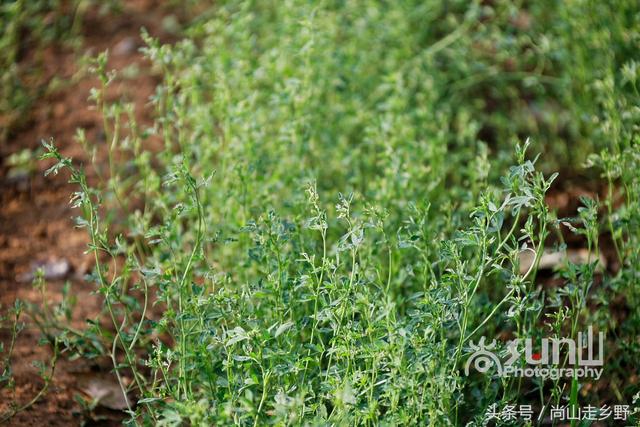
(36, 225)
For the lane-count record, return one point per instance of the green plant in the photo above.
(323, 228)
(45, 372)
(27, 28)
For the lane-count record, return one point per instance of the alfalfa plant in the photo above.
(319, 234)
(320, 333)
(45, 370)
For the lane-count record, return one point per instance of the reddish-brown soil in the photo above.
(36, 223)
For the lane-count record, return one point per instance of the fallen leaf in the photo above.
(105, 390)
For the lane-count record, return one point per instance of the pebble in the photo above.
(53, 270)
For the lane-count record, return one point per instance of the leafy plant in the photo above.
(329, 208)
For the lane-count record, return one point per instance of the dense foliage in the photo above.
(334, 200)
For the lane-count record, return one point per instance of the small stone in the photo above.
(124, 47)
(549, 260)
(52, 270)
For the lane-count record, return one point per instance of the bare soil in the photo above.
(36, 225)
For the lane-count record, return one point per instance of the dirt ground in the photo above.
(36, 225)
